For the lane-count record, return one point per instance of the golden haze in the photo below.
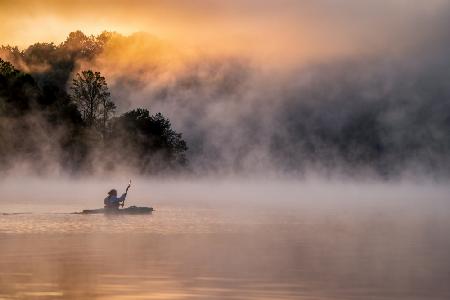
(278, 31)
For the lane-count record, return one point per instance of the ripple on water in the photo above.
(163, 221)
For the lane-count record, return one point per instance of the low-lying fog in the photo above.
(225, 239)
(63, 195)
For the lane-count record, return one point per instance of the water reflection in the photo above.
(205, 254)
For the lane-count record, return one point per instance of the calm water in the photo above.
(392, 249)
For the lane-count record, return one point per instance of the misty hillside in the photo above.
(48, 124)
(378, 115)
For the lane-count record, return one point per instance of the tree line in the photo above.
(42, 124)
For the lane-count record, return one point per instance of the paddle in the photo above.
(126, 192)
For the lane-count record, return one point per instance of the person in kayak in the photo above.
(112, 201)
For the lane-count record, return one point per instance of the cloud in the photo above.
(288, 86)
(273, 31)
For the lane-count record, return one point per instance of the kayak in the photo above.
(132, 210)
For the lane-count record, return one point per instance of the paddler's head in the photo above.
(112, 192)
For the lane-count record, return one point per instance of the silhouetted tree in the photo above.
(151, 139)
(90, 93)
(37, 120)
(28, 114)
(7, 69)
(80, 45)
(18, 90)
(53, 64)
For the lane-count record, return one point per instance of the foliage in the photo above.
(43, 124)
(53, 64)
(150, 138)
(18, 90)
(90, 93)
(31, 120)
(7, 69)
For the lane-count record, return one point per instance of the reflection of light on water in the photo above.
(163, 221)
(208, 253)
(41, 294)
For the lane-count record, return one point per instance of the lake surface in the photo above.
(308, 248)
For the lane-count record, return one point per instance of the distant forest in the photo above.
(51, 118)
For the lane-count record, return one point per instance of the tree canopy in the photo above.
(150, 138)
(53, 64)
(90, 93)
(44, 126)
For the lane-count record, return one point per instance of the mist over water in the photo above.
(318, 138)
(378, 108)
(228, 239)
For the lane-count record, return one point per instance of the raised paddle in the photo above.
(126, 192)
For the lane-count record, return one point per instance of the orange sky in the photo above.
(279, 28)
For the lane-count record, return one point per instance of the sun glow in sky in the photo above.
(283, 29)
